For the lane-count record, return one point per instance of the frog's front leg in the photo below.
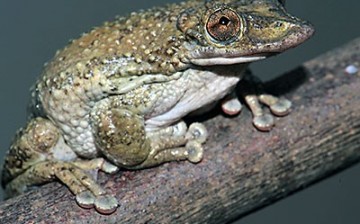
(121, 136)
(32, 161)
(251, 90)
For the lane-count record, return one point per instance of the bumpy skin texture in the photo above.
(115, 97)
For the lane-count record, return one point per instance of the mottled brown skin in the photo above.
(115, 97)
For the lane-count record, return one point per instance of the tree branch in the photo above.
(243, 169)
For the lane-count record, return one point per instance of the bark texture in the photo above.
(243, 169)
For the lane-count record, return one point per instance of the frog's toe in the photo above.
(195, 151)
(109, 168)
(281, 107)
(106, 204)
(278, 106)
(85, 199)
(197, 132)
(179, 129)
(231, 106)
(264, 122)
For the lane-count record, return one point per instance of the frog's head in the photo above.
(231, 32)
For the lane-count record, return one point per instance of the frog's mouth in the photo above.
(227, 60)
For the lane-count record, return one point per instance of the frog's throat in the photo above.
(225, 61)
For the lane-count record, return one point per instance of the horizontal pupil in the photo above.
(224, 21)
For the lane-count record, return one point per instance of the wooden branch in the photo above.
(243, 169)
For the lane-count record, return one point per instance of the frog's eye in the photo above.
(223, 25)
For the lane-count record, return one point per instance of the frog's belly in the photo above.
(195, 89)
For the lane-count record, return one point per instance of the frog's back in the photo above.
(147, 38)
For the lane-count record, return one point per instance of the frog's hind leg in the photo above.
(88, 192)
(31, 162)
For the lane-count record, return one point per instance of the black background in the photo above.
(31, 32)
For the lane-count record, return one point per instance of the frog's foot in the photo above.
(94, 195)
(252, 90)
(262, 120)
(171, 146)
(166, 146)
(88, 193)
